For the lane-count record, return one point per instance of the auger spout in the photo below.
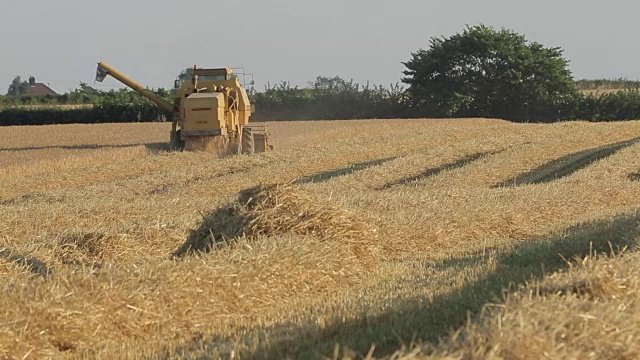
(105, 69)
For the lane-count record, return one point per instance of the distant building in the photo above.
(38, 89)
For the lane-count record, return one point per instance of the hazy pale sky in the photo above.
(60, 42)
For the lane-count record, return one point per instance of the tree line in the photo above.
(478, 72)
(607, 84)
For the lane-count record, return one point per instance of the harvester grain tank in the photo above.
(210, 106)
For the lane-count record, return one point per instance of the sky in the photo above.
(60, 42)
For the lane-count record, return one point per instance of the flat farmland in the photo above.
(379, 238)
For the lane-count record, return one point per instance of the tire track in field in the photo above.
(634, 176)
(32, 264)
(463, 161)
(566, 165)
(352, 168)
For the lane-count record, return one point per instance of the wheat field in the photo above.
(370, 238)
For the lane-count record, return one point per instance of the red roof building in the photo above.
(38, 89)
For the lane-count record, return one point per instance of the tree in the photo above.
(83, 94)
(18, 87)
(483, 72)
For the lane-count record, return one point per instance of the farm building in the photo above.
(38, 89)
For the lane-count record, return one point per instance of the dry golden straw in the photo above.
(374, 237)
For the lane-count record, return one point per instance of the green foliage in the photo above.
(18, 87)
(81, 115)
(28, 100)
(329, 98)
(101, 107)
(483, 72)
(621, 105)
(335, 98)
(600, 84)
(44, 116)
(84, 94)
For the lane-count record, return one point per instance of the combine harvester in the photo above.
(210, 111)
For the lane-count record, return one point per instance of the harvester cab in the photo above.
(211, 111)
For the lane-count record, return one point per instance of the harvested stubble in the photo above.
(590, 311)
(107, 220)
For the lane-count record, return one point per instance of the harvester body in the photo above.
(209, 105)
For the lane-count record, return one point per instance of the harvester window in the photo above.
(211, 77)
(185, 75)
(182, 79)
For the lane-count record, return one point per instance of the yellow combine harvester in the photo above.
(210, 111)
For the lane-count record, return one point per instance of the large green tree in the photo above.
(483, 72)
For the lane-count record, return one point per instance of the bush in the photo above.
(107, 113)
(621, 105)
(330, 99)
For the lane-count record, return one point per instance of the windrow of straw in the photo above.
(271, 210)
(589, 311)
